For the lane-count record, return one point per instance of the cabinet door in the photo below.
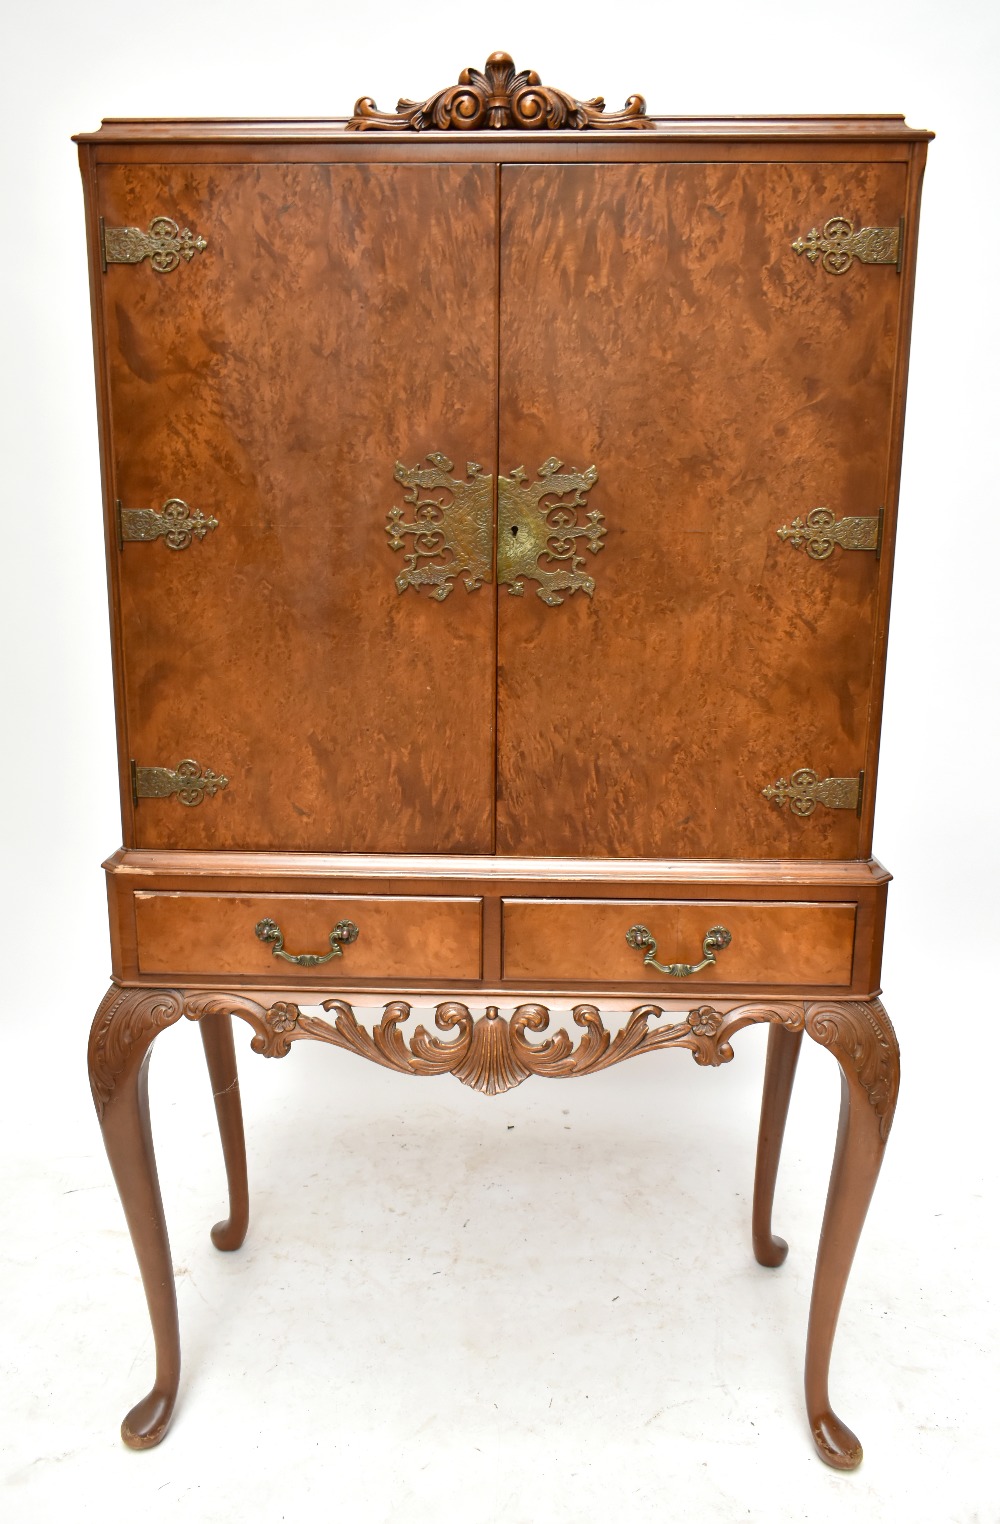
(340, 318)
(657, 324)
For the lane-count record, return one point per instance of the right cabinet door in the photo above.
(657, 324)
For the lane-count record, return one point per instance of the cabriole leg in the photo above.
(126, 1023)
(861, 1039)
(783, 1048)
(220, 1054)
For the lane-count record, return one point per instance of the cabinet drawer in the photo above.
(398, 936)
(773, 943)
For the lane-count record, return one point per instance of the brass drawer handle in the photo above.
(715, 941)
(270, 931)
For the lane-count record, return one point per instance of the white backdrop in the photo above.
(932, 1230)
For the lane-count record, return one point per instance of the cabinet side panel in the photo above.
(917, 165)
(91, 198)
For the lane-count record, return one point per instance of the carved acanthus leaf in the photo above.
(492, 1053)
(125, 1018)
(498, 97)
(861, 1037)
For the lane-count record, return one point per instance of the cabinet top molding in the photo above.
(499, 105)
(497, 97)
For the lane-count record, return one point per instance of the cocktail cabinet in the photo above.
(500, 497)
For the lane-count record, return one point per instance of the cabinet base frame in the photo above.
(492, 1053)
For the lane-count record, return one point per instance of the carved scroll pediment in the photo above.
(499, 96)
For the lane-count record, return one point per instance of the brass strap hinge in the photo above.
(821, 530)
(804, 790)
(164, 245)
(175, 522)
(187, 780)
(838, 245)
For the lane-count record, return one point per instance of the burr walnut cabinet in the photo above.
(500, 500)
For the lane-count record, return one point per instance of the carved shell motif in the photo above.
(492, 1053)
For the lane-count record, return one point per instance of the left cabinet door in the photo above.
(340, 318)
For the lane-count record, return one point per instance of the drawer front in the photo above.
(398, 936)
(772, 943)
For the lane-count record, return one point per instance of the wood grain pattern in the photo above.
(406, 938)
(655, 322)
(792, 944)
(340, 318)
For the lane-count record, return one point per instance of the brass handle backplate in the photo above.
(715, 941)
(343, 933)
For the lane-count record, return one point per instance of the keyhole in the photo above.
(513, 530)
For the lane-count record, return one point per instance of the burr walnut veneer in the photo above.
(500, 501)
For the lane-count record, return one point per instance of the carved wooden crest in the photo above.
(501, 97)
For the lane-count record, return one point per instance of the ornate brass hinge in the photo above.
(175, 522)
(838, 245)
(187, 780)
(821, 530)
(529, 529)
(164, 245)
(499, 97)
(451, 528)
(805, 790)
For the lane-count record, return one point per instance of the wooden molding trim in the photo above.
(164, 131)
(156, 867)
